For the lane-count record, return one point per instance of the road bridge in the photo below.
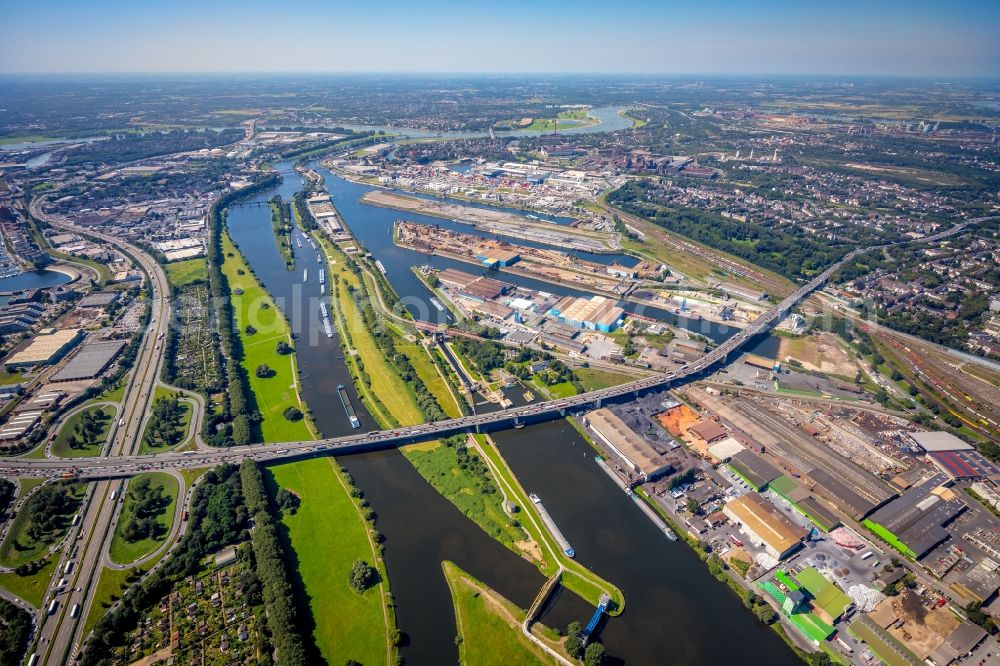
(129, 465)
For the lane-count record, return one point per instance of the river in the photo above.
(675, 611)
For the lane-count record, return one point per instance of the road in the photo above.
(129, 465)
(59, 634)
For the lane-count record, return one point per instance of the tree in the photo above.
(287, 500)
(693, 506)
(264, 371)
(249, 330)
(292, 414)
(594, 655)
(283, 348)
(574, 642)
(363, 576)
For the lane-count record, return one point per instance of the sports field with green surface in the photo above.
(123, 551)
(86, 446)
(327, 534)
(488, 624)
(252, 305)
(185, 272)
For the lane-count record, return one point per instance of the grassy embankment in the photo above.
(489, 629)
(85, 446)
(576, 577)
(328, 533)
(123, 551)
(186, 272)
(30, 588)
(253, 305)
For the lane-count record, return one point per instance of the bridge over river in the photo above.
(124, 466)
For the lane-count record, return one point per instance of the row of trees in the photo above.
(49, 509)
(233, 425)
(279, 596)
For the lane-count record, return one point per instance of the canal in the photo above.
(675, 611)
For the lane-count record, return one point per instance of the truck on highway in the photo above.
(76, 611)
(53, 605)
(69, 568)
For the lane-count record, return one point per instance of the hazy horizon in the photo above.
(776, 38)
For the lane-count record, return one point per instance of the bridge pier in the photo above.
(598, 402)
(562, 411)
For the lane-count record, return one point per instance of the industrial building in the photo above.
(765, 525)
(90, 361)
(596, 313)
(914, 522)
(45, 349)
(627, 444)
(799, 499)
(99, 299)
(710, 431)
(753, 469)
(474, 287)
(499, 258)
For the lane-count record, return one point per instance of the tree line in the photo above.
(279, 595)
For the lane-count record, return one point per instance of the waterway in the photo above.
(33, 280)
(675, 611)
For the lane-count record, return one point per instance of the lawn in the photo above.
(185, 272)
(30, 588)
(27, 484)
(429, 375)
(593, 379)
(85, 448)
(488, 624)
(147, 445)
(252, 305)
(328, 534)
(18, 548)
(110, 586)
(126, 552)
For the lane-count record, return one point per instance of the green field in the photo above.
(252, 305)
(439, 464)
(85, 448)
(146, 445)
(488, 624)
(27, 484)
(185, 272)
(432, 379)
(19, 548)
(593, 379)
(30, 588)
(126, 552)
(385, 383)
(328, 534)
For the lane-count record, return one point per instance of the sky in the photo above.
(873, 37)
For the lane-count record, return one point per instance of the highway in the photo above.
(59, 634)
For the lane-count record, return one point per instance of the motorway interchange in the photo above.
(61, 631)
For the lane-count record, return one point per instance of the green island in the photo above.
(84, 433)
(282, 225)
(41, 523)
(147, 514)
(168, 424)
